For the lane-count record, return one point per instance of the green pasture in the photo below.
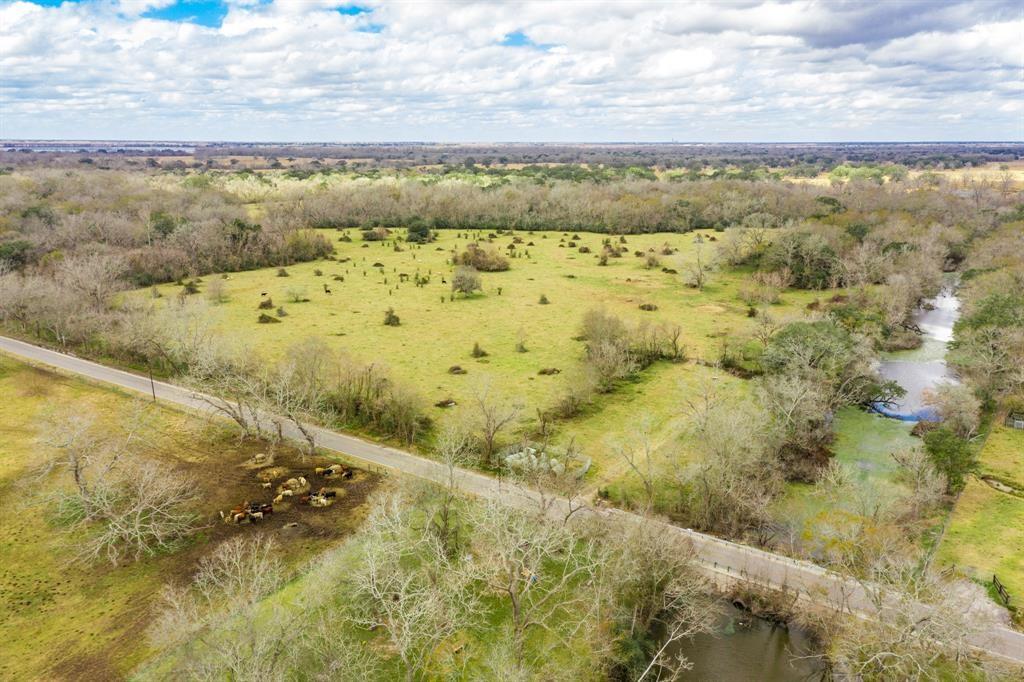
(437, 333)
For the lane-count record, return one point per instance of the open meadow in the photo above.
(342, 302)
(985, 535)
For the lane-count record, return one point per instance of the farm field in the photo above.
(69, 620)
(986, 529)
(437, 333)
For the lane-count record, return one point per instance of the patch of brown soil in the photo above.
(300, 530)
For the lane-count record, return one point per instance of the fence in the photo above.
(1001, 590)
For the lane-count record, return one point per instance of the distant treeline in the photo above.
(623, 206)
(797, 159)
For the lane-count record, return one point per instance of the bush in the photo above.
(265, 304)
(483, 259)
(377, 234)
(478, 352)
(544, 300)
(419, 233)
(391, 319)
(267, 319)
(466, 280)
(649, 307)
(281, 272)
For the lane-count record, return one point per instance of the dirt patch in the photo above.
(300, 530)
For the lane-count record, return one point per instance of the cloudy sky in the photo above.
(304, 70)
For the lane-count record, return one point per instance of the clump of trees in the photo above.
(811, 370)
(430, 566)
(616, 350)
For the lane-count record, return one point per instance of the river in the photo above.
(925, 367)
(749, 648)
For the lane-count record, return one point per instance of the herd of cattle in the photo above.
(298, 489)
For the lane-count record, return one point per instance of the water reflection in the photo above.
(924, 368)
(749, 648)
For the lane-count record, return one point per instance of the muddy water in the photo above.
(748, 648)
(923, 368)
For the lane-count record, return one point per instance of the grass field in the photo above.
(985, 535)
(437, 333)
(66, 620)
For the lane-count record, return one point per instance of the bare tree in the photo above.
(655, 586)
(957, 406)
(93, 277)
(127, 506)
(731, 487)
(553, 479)
(535, 566)
(638, 452)
(926, 483)
(919, 627)
(454, 450)
(408, 587)
(222, 612)
(699, 268)
(492, 415)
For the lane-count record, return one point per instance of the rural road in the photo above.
(721, 559)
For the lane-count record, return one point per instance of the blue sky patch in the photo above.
(371, 28)
(520, 39)
(209, 13)
(353, 10)
(52, 3)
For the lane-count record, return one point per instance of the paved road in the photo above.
(722, 560)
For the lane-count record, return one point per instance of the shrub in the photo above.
(377, 234)
(281, 272)
(584, 249)
(391, 319)
(649, 307)
(483, 259)
(281, 312)
(297, 295)
(265, 304)
(544, 300)
(478, 352)
(267, 319)
(456, 369)
(652, 261)
(466, 280)
(318, 273)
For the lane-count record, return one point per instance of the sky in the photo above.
(569, 71)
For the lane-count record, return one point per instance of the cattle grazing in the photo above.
(334, 470)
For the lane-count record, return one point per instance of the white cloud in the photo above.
(298, 69)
